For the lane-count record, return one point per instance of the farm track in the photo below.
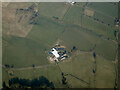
(28, 68)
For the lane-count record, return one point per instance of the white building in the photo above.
(55, 52)
(71, 2)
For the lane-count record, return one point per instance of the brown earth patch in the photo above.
(5, 4)
(18, 18)
(88, 12)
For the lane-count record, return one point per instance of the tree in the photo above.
(12, 66)
(74, 47)
(33, 65)
(4, 85)
(94, 54)
(40, 82)
(7, 66)
(115, 33)
(94, 71)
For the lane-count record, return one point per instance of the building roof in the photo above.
(55, 52)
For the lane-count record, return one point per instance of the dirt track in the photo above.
(27, 68)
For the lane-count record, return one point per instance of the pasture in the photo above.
(73, 15)
(11, 19)
(105, 8)
(46, 32)
(56, 9)
(71, 25)
(22, 52)
(105, 73)
(81, 66)
(98, 28)
(106, 49)
(79, 39)
(52, 73)
(104, 18)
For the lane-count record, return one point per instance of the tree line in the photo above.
(40, 82)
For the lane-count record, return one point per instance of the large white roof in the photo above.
(55, 52)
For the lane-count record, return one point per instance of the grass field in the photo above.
(52, 73)
(107, 49)
(79, 39)
(99, 28)
(46, 32)
(81, 66)
(106, 19)
(57, 9)
(105, 8)
(22, 52)
(5, 76)
(73, 16)
(65, 23)
(105, 74)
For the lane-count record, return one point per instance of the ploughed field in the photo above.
(36, 27)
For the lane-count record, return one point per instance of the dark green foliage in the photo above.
(115, 33)
(4, 85)
(74, 47)
(33, 65)
(41, 82)
(94, 55)
(7, 66)
(12, 66)
(94, 71)
(63, 79)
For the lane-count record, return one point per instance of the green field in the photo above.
(67, 24)
(99, 28)
(81, 66)
(105, 73)
(73, 16)
(106, 19)
(46, 32)
(83, 40)
(52, 73)
(22, 52)
(108, 49)
(49, 9)
(105, 8)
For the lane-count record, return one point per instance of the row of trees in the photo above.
(8, 66)
(41, 82)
